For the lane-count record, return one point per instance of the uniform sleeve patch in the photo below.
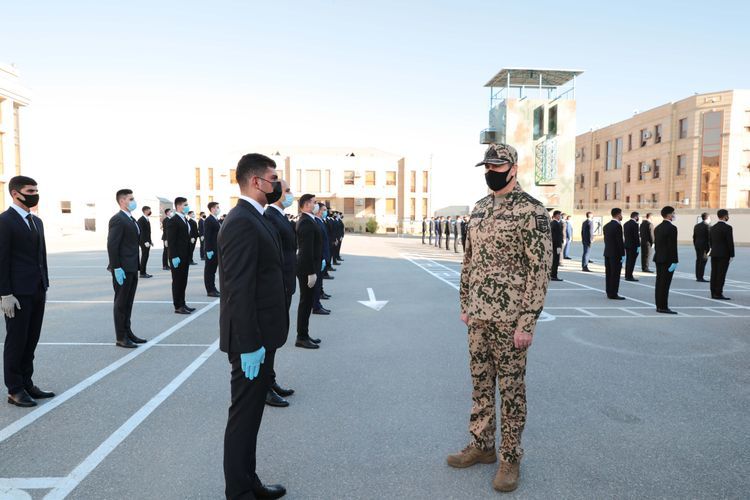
(542, 223)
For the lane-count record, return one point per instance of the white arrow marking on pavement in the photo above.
(372, 303)
(545, 316)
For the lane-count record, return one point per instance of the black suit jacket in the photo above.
(647, 232)
(557, 233)
(193, 229)
(614, 246)
(202, 226)
(211, 228)
(23, 261)
(665, 243)
(632, 234)
(123, 243)
(701, 236)
(309, 246)
(288, 246)
(587, 232)
(178, 239)
(253, 303)
(145, 226)
(447, 227)
(722, 240)
(164, 225)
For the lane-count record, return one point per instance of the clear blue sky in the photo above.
(401, 76)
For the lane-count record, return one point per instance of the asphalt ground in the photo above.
(623, 402)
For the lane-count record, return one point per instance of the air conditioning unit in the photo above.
(488, 136)
(686, 201)
(645, 168)
(647, 135)
(578, 154)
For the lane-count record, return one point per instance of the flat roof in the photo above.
(529, 77)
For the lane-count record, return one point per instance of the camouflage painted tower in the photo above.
(534, 110)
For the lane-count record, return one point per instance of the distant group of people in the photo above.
(441, 229)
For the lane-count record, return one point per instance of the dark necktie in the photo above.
(32, 226)
(137, 227)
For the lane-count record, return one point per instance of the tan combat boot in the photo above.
(471, 455)
(506, 478)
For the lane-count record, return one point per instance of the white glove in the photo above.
(8, 303)
(559, 250)
(192, 240)
(311, 279)
(165, 244)
(202, 238)
(147, 245)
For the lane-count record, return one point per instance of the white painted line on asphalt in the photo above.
(581, 309)
(53, 403)
(634, 313)
(714, 309)
(602, 291)
(407, 257)
(110, 344)
(68, 484)
(111, 301)
(29, 483)
(372, 303)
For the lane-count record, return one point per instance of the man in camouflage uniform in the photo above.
(504, 280)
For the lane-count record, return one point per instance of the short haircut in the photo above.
(704, 215)
(167, 210)
(122, 193)
(556, 212)
(145, 207)
(633, 215)
(304, 199)
(211, 205)
(722, 213)
(179, 200)
(588, 213)
(667, 211)
(648, 215)
(191, 212)
(615, 211)
(202, 214)
(252, 164)
(18, 182)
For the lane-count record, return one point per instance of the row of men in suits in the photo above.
(439, 227)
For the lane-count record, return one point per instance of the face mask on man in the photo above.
(275, 193)
(30, 200)
(496, 181)
(132, 205)
(186, 209)
(288, 200)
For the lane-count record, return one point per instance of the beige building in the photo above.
(13, 97)
(362, 183)
(691, 154)
(534, 110)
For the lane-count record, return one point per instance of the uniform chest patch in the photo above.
(542, 223)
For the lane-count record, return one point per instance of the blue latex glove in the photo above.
(209, 255)
(672, 267)
(176, 262)
(323, 266)
(251, 362)
(622, 261)
(637, 250)
(119, 276)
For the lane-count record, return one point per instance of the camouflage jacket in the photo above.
(506, 266)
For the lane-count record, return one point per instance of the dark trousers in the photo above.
(631, 255)
(612, 270)
(202, 250)
(241, 434)
(165, 256)
(429, 239)
(448, 241)
(719, 268)
(305, 307)
(585, 256)
(455, 244)
(423, 235)
(555, 261)
(144, 259)
(179, 283)
(317, 291)
(192, 252)
(700, 263)
(663, 282)
(437, 240)
(21, 339)
(288, 306)
(463, 241)
(123, 309)
(209, 273)
(645, 256)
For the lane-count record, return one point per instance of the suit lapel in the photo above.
(263, 222)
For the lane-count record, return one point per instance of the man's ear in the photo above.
(513, 172)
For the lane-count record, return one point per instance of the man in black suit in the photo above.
(702, 245)
(23, 290)
(275, 215)
(557, 243)
(253, 319)
(614, 254)
(178, 246)
(211, 228)
(665, 258)
(341, 229)
(145, 239)
(194, 235)
(722, 253)
(309, 259)
(123, 241)
(424, 229)
(164, 225)
(632, 245)
(647, 242)
(431, 227)
(587, 237)
(319, 211)
(202, 234)
(439, 231)
(448, 233)
(464, 233)
(456, 232)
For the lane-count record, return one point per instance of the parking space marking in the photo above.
(109, 302)
(110, 344)
(53, 403)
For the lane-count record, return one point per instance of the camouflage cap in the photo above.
(499, 154)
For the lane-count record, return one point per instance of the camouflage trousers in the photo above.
(494, 359)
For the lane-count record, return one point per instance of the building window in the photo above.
(413, 209)
(369, 178)
(233, 176)
(627, 173)
(644, 137)
(656, 168)
(390, 178)
(413, 181)
(197, 179)
(630, 142)
(390, 206)
(744, 199)
(312, 181)
(627, 201)
(618, 190)
(654, 200)
(640, 201)
(596, 152)
(679, 197)
(348, 177)
(606, 192)
(710, 180)
(609, 158)
(552, 125)
(583, 178)
(210, 199)
(583, 154)
(210, 179)
(369, 206)
(681, 165)
(641, 167)
(618, 153)
(657, 134)
(425, 179)
(596, 179)
(17, 133)
(424, 208)
(349, 206)
(197, 203)
(327, 181)
(538, 122)
(65, 207)
(683, 128)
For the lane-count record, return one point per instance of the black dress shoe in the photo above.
(586, 270)
(214, 294)
(284, 393)
(146, 276)
(328, 277)
(314, 341)
(616, 297)
(165, 268)
(136, 340)
(36, 393)
(191, 309)
(193, 263)
(702, 281)
(648, 271)
(306, 344)
(631, 279)
(325, 296)
(182, 310)
(666, 311)
(126, 343)
(21, 399)
(322, 312)
(269, 491)
(273, 399)
(720, 297)
(555, 279)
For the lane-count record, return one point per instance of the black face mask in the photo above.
(31, 200)
(497, 180)
(274, 195)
